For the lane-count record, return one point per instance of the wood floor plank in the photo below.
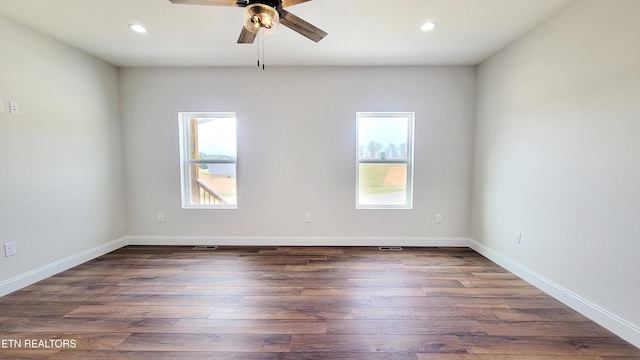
(522, 345)
(243, 291)
(226, 265)
(455, 269)
(207, 342)
(495, 283)
(300, 282)
(311, 275)
(405, 327)
(149, 289)
(377, 343)
(349, 356)
(343, 266)
(33, 309)
(444, 260)
(98, 288)
(439, 301)
(394, 282)
(94, 325)
(418, 275)
(27, 354)
(175, 300)
(45, 288)
(553, 314)
(421, 313)
(250, 327)
(363, 291)
(223, 273)
(10, 323)
(495, 276)
(544, 328)
(91, 355)
(546, 302)
(279, 313)
(304, 301)
(503, 357)
(59, 299)
(504, 292)
(306, 251)
(146, 311)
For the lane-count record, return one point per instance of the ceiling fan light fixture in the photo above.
(259, 16)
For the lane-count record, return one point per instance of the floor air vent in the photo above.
(390, 248)
(205, 247)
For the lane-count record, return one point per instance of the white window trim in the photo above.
(183, 130)
(409, 161)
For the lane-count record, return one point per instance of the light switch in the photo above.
(1, 106)
(10, 249)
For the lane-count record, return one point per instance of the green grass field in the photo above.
(378, 179)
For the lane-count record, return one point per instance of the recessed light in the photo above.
(138, 28)
(428, 26)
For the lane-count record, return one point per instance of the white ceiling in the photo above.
(361, 32)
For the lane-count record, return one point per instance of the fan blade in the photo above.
(300, 26)
(246, 36)
(287, 3)
(234, 3)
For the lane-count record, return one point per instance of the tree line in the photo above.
(375, 150)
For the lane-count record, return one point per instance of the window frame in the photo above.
(409, 161)
(185, 134)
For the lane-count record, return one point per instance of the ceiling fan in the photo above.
(259, 14)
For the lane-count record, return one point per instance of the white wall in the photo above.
(296, 130)
(556, 155)
(61, 167)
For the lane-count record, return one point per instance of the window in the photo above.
(384, 160)
(208, 158)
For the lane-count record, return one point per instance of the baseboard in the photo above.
(606, 319)
(298, 241)
(33, 276)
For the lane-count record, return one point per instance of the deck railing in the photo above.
(207, 195)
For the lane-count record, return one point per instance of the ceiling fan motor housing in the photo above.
(272, 3)
(260, 16)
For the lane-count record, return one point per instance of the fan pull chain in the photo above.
(258, 47)
(262, 40)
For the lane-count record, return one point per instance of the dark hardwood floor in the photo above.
(295, 303)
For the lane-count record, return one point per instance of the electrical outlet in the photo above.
(517, 237)
(438, 218)
(307, 218)
(160, 217)
(14, 108)
(10, 249)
